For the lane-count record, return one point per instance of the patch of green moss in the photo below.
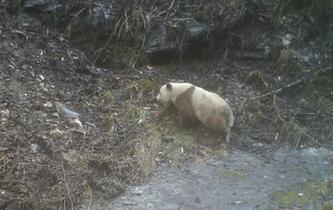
(309, 193)
(328, 206)
(325, 103)
(231, 175)
(290, 199)
(107, 96)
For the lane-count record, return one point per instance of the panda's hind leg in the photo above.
(218, 125)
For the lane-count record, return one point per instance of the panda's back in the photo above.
(206, 103)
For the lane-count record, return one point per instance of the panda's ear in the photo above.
(169, 86)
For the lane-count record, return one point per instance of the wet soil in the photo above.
(289, 179)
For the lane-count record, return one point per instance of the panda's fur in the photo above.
(192, 102)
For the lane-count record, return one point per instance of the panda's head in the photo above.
(164, 96)
(170, 91)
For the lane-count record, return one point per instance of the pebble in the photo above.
(64, 111)
(55, 115)
(41, 77)
(48, 104)
(4, 113)
(3, 149)
(34, 148)
(56, 133)
(137, 191)
(76, 123)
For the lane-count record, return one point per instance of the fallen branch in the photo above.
(307, 77)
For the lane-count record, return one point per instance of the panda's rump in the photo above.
(211, 109)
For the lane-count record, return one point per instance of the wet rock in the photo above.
(162, 37)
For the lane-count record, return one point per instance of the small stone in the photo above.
(41, 77)
(34, 148)
(3, 149)
(48, 104)
(56, 133)
(42, 85)
(55, 115)
(4, 113)
(286, 40)
(237, 202)
(66, 112)
(137, 191)
(76, 123)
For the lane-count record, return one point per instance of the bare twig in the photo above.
(90, 197)
(167, 10)
(295, 126)
(67, 187)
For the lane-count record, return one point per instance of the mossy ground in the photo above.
(309, 193)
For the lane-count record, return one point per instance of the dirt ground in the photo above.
(71, 132)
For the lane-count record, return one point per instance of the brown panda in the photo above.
(192, 102)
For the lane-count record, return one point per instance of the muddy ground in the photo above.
(72, 132)
(289, 179)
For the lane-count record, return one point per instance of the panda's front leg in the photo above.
(184, 120)
(167, 110)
